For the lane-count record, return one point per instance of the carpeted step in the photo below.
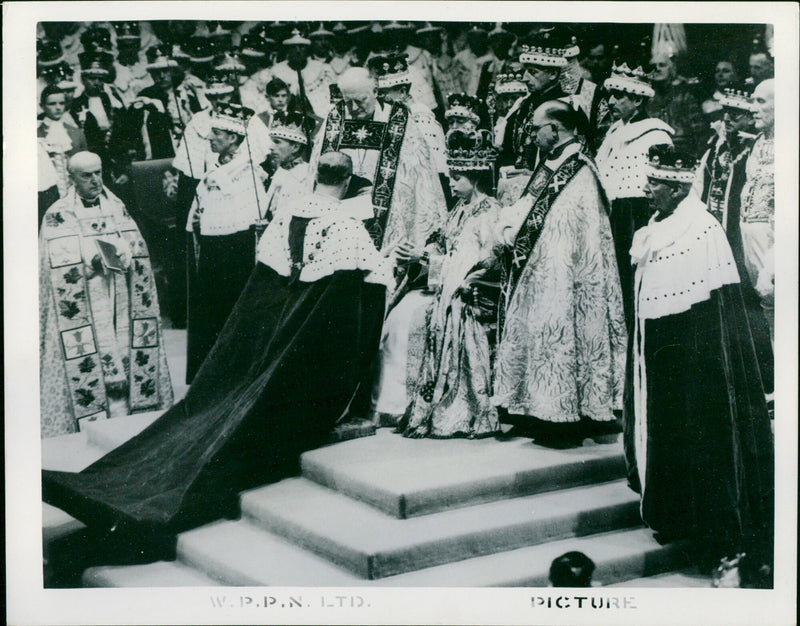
(238, 553)
(618, 556)
(410, 477)
(375, 545)
(158, 574)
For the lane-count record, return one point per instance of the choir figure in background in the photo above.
(757, 216)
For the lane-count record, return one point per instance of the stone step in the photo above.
(158, 574)
(684, 578)
(618, 556)
(374, 545)
(239, 553)
(110, 434)
(410, 477)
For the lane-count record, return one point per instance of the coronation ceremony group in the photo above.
(553, 231)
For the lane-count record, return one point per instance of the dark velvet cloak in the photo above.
(285, 367)
(710, 460)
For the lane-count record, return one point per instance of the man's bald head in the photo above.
(82, 161)
(86, 171)
(555, 122)
(764, 101)
(359, 92)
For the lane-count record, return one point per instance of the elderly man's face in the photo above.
(88, 179)
(663, 68)
(662, 196)
(760, 67)
(545, 131)
(764, 99)
(360, 101)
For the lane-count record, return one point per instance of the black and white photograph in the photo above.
(398, 312)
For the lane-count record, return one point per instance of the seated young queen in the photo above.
(451, 397)
(283, 369)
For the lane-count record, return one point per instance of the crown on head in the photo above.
(216, 86)
(232, 117)
(427, 27)
(463, 105)
(736, 99)
(510, 83)
(96, 38)
(48, 52)
(634, 81)
(199, 49)
(97, 63)
(253, 45)
(470, 151)
(290, 125)
(127, 31)
(550, 47)
(229, 63)
(158, 58)
(390, 70)
(296, 39)
(320, 32)
(666, 163)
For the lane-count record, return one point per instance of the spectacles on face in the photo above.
(536, 129)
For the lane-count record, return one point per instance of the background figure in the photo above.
(59, 137)
(721, 177)
(758, 202)
(573, 569)
(725, 77)
(621, 161)
(674, 103)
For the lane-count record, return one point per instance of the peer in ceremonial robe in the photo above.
(229, 201)
(701, 455)
(721, 177)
